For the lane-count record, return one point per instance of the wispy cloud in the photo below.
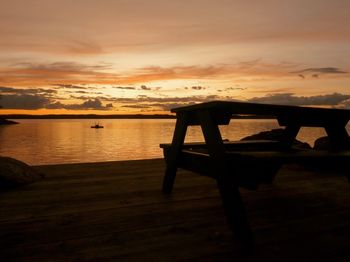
(68, 86)
(198, 87)
(75, 75)
(66, 74)
(144, 87)
(11, 90)
(90, 104)
(39, 98)
(334, 99)
(125, 87)
(321, 70)
(86, 47)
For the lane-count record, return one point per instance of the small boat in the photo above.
(97, 126)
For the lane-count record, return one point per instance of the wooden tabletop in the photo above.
(258, 108)
(305, 116)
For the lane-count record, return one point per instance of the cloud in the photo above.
(11, 90)
(334, 99)
(143, 87)
(59, 72)
(169, 106)
(321, 70)
(228, 89)
(248, 68)
(164, 103)
(32, 99)
(148, 88)
(89, 104)
(81, 92)
(84, 47)
(62, 66)
(161, 102)
(24, 101)
(137, 106)
(184, 72)
(344, 104)
(125, 87)
(226, 23)
(198, 87)
(74, 75)
(158, 106)
(7, 89)
(187, 99)
(70, 86)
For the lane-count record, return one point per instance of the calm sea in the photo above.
(39, 142)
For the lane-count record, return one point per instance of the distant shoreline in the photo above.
(91, 116)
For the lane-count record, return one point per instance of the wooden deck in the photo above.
(116, 211)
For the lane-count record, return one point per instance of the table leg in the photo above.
(171, 161)
(228, 186)
(339, 139)
(235, 212)
(338, 136)
(290, 133)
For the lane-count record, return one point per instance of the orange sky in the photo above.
(133, 56)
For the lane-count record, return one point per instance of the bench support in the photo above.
(338, 136)
(178, 140)
(290, 133)
(228, 185)
(235, 212)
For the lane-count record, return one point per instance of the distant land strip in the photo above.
(130, 116)
(89, 116)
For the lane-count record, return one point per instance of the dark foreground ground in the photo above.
(116, 211)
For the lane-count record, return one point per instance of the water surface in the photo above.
(53, 141)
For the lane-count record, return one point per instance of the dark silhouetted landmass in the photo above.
(90, 116)
(135, 116)
(7, 122)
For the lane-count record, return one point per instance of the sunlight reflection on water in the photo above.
(55, 141)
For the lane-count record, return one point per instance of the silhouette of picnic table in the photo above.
(235, 164)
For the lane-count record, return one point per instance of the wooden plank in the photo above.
(318, 157)
(234, 145)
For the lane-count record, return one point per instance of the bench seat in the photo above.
(252, 163)
(235, 145)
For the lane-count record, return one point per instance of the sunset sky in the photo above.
(137, 56)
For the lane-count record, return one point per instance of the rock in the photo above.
(322, 143)
(7, 122)
(276, 134)
(16, 173)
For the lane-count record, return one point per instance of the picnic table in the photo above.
(235, 164)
